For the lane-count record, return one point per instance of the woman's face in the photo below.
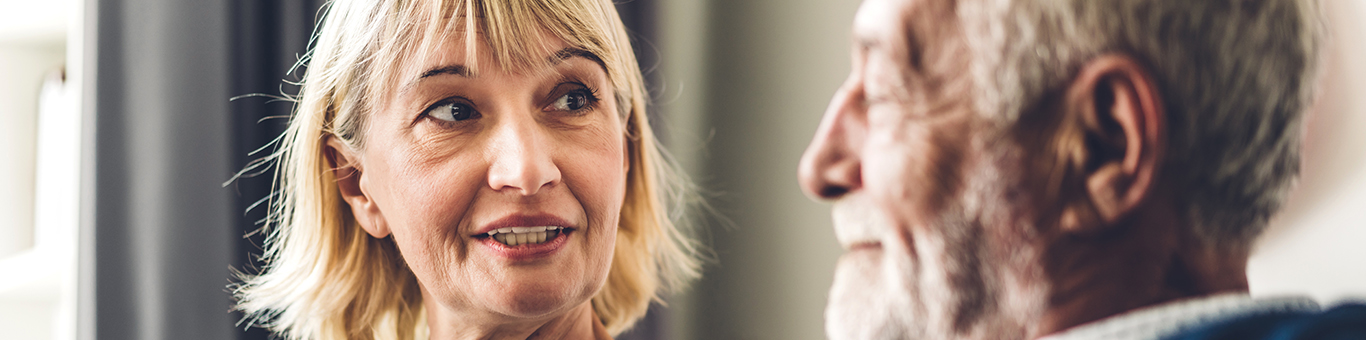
(502, 190)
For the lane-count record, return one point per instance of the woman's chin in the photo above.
(535, 301)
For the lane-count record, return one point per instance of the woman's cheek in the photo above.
(429, 208)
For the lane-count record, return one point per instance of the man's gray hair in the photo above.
(1236, 77)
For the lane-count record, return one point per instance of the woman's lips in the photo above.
(514, 236)
(527, 251)
(525, 237)
(523, 220)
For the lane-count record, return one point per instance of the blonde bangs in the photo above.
(325, 278)
(516, 33)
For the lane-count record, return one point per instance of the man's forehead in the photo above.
(882, 24)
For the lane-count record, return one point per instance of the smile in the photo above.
(514, 236)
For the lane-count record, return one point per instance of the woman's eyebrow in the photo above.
(570, 52)
(455, 69)
(459, 70)
(464, 72)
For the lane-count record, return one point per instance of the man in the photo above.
(1069, 169)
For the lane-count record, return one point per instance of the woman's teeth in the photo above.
(514, 236)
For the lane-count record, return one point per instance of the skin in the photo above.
(955, 228)
(431, 184)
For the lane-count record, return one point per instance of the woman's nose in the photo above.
(831, 166)
(522, 160)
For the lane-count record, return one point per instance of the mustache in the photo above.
(857, 220)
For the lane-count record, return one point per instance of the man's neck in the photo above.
(1099, 276)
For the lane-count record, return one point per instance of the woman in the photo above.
(468, 169)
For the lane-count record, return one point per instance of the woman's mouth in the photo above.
(515, 236)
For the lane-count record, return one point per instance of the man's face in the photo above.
(900, 153)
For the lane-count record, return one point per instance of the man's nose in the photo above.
(522, 160)
(831, 166)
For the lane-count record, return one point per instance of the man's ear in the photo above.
(1115, 108)
(352, 183)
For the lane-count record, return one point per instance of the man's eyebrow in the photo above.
(570, 52)
(912, 48)
(459, 70)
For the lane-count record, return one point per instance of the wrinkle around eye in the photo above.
(435, 140)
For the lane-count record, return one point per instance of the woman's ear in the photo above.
(629, 150)
(352, 183)
(1116, 111)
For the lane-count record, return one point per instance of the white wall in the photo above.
(38, 168)
(1317, 245)
(31, 45)
(22, 67)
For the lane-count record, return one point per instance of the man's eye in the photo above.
(571, 101)
(452, 112)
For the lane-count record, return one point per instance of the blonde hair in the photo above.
(326, 278)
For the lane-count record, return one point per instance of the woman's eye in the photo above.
(572, 101)
(452, 112)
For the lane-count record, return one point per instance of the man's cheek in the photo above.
(888, 176)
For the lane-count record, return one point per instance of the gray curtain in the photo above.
(163, 233)
(163, 227)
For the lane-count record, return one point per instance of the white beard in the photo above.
(894, 297)
(866, 304)
(948, 285)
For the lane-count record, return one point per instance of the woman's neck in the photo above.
(579, 323)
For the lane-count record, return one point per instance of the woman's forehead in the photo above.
(453, 58)
(529, 52)
(470, 41)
